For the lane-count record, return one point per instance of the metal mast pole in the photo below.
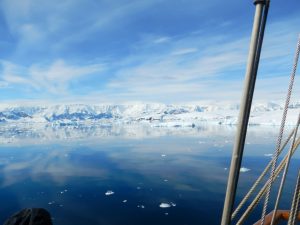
(250, 78)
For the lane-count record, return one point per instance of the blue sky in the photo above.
(149, 50)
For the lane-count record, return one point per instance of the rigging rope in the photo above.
(295, 203)
(280, 133)
(252, 189)
(263, 190)
(285, 173)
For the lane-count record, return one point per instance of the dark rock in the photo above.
(32, 216)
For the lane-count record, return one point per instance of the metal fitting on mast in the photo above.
(260, 2)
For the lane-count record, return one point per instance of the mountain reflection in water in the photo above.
(127, 175)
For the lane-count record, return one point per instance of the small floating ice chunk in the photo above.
(138, 188)
(268, 155)
(109, 193)
(164, 205)
(225, 168)
(124, 201)
(244, 169)
(64, 191)
(165, 180)
(51, 203)
(166, 214)
(141, 206)
(163, 155)
(173, 204)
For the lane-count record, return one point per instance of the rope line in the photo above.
(263, 190)
(285, 173)
(252, 189)
(266, 202)
(295, 203)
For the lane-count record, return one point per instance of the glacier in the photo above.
(42, 123)
(153, 114)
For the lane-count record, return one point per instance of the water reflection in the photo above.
(23, 133)
(69, 171)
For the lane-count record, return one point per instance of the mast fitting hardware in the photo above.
(260, 2)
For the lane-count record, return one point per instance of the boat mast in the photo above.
(260, 18)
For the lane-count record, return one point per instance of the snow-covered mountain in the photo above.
(155, 114)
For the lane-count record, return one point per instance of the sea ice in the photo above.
(244, 169)
(268, 155)
(109, 192)
(164, 205)
(64, 191)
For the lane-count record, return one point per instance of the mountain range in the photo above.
(156, 114)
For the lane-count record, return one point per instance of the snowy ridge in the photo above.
(155, 114)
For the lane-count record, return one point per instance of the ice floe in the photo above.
(164, 205)
(64, 191)
(109, 193)
(244, 169)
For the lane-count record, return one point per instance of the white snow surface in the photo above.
(155, 114)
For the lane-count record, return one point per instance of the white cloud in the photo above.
(161, 40)
(215, 70)
(54, 79)
(37, 23)
(184, 51)
(3, 84)
(173, 74)
(191, 66)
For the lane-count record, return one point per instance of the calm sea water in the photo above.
(131, 176)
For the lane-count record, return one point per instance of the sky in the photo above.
(141, 50)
